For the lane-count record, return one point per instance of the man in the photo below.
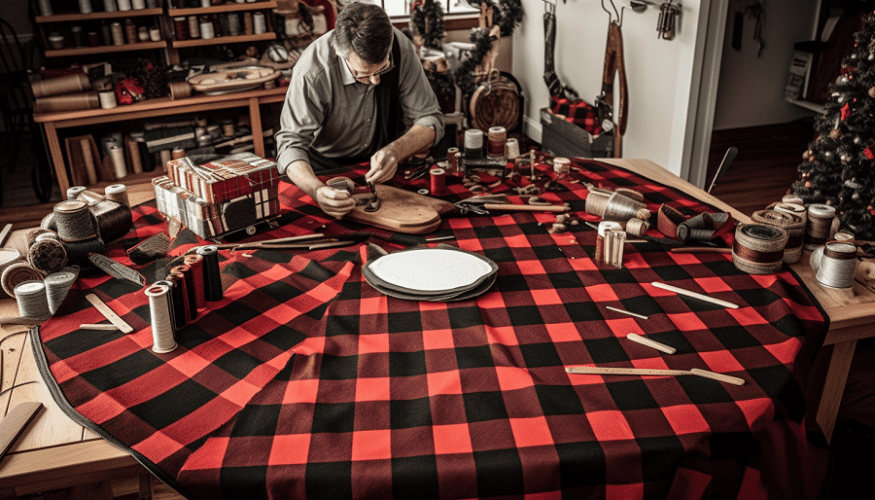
(350, 90)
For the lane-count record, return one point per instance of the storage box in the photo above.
(224, 179)
(562, 138)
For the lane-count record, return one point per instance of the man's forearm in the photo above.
(301, 174)
(418, 138)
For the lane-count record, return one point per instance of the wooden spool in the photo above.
(792, 223)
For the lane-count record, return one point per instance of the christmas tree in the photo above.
(839, 166)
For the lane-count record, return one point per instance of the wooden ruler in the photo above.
(598, 370)
(109, 313)
(14, 423)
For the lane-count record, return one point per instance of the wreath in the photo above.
(506, 15)
(428, 22)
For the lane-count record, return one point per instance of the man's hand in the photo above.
(384, 164)
(334, 202)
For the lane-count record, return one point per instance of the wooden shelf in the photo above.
(219, 9)
(69, 17)
(220, 40)
(812, 106)
(106, 49)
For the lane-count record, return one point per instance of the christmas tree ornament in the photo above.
(872, 92)
(835, 133)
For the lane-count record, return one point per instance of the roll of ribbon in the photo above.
(473, 144)
(835, 264)
(789, 222)
(759, 248)
(32, 300)
(162, 325)
(212, 275)
(820, 219)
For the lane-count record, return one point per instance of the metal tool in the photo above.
(374, 203)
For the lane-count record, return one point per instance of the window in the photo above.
(401, 8)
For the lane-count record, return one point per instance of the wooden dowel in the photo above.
(630, 313)
(688, 293)
(97, 326)
(598, 370)
(659, 346)
(109, 313)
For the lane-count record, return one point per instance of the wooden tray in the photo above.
(232, 80)
(402, 211)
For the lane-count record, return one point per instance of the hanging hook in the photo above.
(617, 13)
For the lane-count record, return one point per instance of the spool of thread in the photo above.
(793, 208)
(77, 35)
(179, 90)
(233, 24)
(212, 275)
(473, 144)
(561, 165)
(604, 227)
(143, 34)
(162, 323)
(497, 137)
(512, 149)
(44, 235)
(247, 23)
(792, 198)
(637, 227)
(85, 7)
(109, 6)
(155, 34)
(31, 298)
(180, 28)
(138, 4)
(820, 219)
(118, 193)
(57, 286)
(114, 219)
(93, 39)
(759, 248)
(117, 155)
(47, 256)
(452, 160)
(56, 41)
(78, 251)
(131, 36)
(615, 206)
(165, 156)
(73, 192)
(194, 27)
(205, 3)
(207, 30)
(105, 33)
(177, 153)
(835, 264)
(437, 181)
(845, 236)
(74, 221)
(190, 293)
(118, 33)
(45, 8)
(88, 160)
(107, 99)
(178, 300)
(196, 263)
(258, 23)
(123, 5)
(789, 222)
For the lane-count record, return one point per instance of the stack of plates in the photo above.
(440, 274)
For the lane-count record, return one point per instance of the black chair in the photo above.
(17, 109)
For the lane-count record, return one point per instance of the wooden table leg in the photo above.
(834, 385)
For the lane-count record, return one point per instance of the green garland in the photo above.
(428, 19)
(506, 15)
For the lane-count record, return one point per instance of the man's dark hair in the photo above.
(365, 29)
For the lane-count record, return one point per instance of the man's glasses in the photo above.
(367, 78)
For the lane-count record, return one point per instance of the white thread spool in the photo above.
(561, 165)
(473, 144)
(207, 31)
(194, 30)
(820, 219)
(604, 227)
(31, 298)
(835, 264)
(162, 323)
(258, 23)
(117, 154)
(45, 7)
(124, 5)
(85, 7)
(138, 4)
(119, 193)
(512, 149)
(57, 286)
(155, 34)
(107, 99)
(109, 6)
(73, 192)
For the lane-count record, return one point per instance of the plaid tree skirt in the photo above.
(304, 381)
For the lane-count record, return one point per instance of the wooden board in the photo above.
(402, 211)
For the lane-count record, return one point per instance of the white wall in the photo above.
(660, 72)
(751, 87)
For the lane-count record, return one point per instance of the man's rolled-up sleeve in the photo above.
(418, 101)
(302, 115)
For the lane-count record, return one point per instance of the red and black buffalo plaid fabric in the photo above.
(578, 112)
(306, 382)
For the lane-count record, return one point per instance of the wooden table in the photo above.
(55, 452)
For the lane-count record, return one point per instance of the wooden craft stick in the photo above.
(630, 313)
(19, 320)
(659, 346)
(700, 250)
(109, 313)
(688, 293)
(14, 422)
(97, 326)
(441, 238)
(598, 370)
(525, 208)
(4, 233)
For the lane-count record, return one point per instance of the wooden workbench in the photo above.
(55, 452)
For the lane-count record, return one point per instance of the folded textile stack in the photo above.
(219, 197)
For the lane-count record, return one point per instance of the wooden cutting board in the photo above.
(402, 211)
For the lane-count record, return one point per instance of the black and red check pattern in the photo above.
(304, 381)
